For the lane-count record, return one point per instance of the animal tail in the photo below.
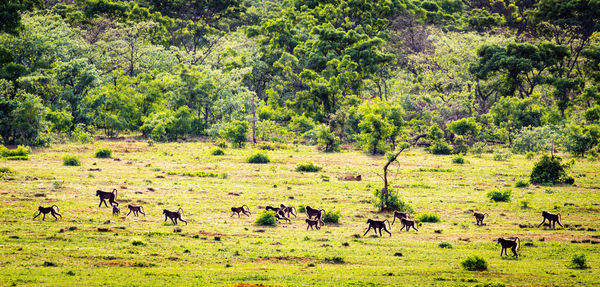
(559, 216)
(180, 211)
(293, 209)
(485, 215)
(385, 220)
(142, 209)
(56, 208)
(519, 243)
(115, 192)
(247, 208)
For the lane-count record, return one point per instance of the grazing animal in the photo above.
(552, 219)
(288, 210)
(269, 207)
(310, 212)
(241, 209)
(311, 223)
(408, 224)
(280, 215)
(399, 215)
(512, 244)
(136, 209)
(479, 216)
(104, 195)
(352, 178)
(116, 210)
(46, 210)
(174, 215)
(377, 225)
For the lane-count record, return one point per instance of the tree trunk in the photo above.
(253, 120)
(385, 180)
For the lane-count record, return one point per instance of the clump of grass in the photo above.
(445, 245)
(196, 174)
(20, 151)
(499, 196)
(522, 183)
(7, 173)
(459, 159)
(266, 147)
(138, 243)
(500, 156)
(334, 260)
(217, 152)
(435, 169)
(332, 216)
(308, 167)
(266, 218)
(301, 208)
(524, 204)
(579, 262)
(428, 217)
(17, 157)
(530, 155)
(258, 158)
(222, 143)
(70, 160)
(474, 263)
(103, 153)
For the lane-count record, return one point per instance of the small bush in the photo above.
(524, 204)
(138, 243)
(70, 160)
(550, 170)
(579, 262)
(445, 245)
(301, 208)
(458, 160)
(20, 151)
(335, 260)
(521, 183)
(103, 153)
(332, 216)
(530, 155)
(17, 157)
(236, 132)
(81, 134)
(428, 217)
(258, 158)
(499, 196)
(266, 218)
(500, 156)
(222, 143)
(266, 147)
(6, 173)
(474, 263)
(196, 174)
(440, 148)
(392, 202)
(308, 167)
(479, 148)
(217, 152)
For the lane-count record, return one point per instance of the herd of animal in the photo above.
(314, 217)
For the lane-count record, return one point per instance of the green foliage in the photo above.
(70, 160)
(460, 146)
(521, 183)
(579, 262)
(334, 260)
(332, 216)
(435, 133)
(308, 167)
(236, 132)
(258, 158)
(266, 218)
(301, 208)
(326, 139)
(499, 196)
(18, 157)
(374, 132)
(81, 134)
(501, 156)
(529, 155)
(440, 148)
(392, 202)
(458, 159)
(466, 127)
(222, 143)
(524, 204)
(445, 245)
(22, 151)
(478, 148)
(301, 124)
(268, 130)
(581, 139)
(474, 263)
(592, 115)
(103, 153)
(428, 217)
(535, 139)
(169, 125)
(217, 152)
(60, 121)
(550, 170)
(200, 173)
(6, 173)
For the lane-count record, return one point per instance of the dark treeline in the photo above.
(449, 74)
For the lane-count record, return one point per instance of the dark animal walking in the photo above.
(408, 224)
(174, 215)
(479, 217)
(105, 195)
(312, 222)
(400, 215)
(241, 209)
(116, 211)
(136, 209)
(512, 244)
(288, 210)
(280, 215)
(552, 219)
(377, 225)
(46, 210)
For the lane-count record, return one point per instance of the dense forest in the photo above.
(452, 75)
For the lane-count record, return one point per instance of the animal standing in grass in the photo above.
(377, 225)
(400, 215)
(288, 210)
(116, 211)
(241, 209)
(174, 215)
(312, 222)
(136, 209)
(479, 217)
(407, 223)
(46, 210)
(512, 244)
(552, 219)
(105, 195)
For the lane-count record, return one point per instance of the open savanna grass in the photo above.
(216, 249)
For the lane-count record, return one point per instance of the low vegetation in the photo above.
(71, 160)
(103, 153)
(308, 167)
(266, 218)
(499, 196)
(259, 158)
(474, 263)
(427, 217)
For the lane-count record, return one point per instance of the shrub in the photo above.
(6, 173)
(335, 260)
(478, 147)
(530, 155)
(17, 158)
(459, 146)
(103, 153)
(266, 147)
(326, 139)
(138, 243)
(217, 151)
(440, 148)
(308, 167)
(301, 208)
(332, 216)
(301, 124)
(392, 202)
(258, 158)
(524, 204)
(236, 132)
(445, 245)
(458, 160)
(474, 263)
(579, 262)
(499, 196)
(71, 160)
(266, 218)
(428, 217)
(521, 183)
(534, 139)
(222, 143)
(500, 156)
(550, 170)
(81, 134)
(21, 151)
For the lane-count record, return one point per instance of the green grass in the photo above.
(286, 254)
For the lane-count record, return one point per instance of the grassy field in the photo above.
(216, 249)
